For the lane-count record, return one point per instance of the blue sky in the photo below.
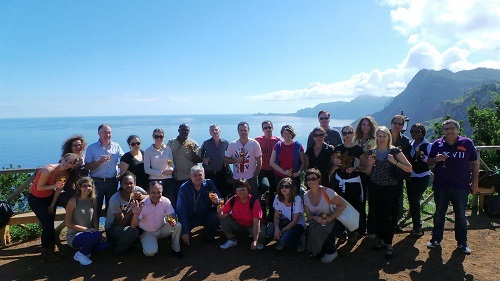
(92, 58)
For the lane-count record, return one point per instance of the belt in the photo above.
(103, 179)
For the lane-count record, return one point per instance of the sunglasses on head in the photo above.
(312, 179)
(158, 137)
(153, 183)
(347, 133)
(135, 143)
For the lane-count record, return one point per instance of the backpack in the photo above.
(232, 200)
(5, 213)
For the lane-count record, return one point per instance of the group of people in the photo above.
(276, 189)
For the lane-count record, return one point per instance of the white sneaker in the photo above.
(465, 249)
(329, 258)
(229, 243)
(81, 258)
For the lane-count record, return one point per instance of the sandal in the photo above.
(389, 254)
(379, 247)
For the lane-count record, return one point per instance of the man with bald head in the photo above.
(185, 154)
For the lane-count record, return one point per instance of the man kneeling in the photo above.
(156, 219)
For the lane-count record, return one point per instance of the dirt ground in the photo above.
(205, 261)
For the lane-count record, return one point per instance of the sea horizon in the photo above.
(32, 142)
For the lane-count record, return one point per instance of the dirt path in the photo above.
(204, 261)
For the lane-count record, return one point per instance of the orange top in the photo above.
(50, 181)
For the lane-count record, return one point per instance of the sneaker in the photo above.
(465, 249)
(279, 246)
(329, 258)
(229, 243)
(433, 244)
(260, 246)
(81, 258)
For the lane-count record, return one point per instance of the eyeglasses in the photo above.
(347, 133)
(241, 189)
(152, 183)
(158, 137)
(450, 129)
(286, 186)
(324, 118)
(76, 145)
(319, 135)
(397, 123)
(312, 179)
(135, 143)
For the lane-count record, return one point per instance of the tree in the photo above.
(486, 127)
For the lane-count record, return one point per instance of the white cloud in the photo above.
(442, 35)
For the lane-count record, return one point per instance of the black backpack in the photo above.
(232, 200)
(5, 213)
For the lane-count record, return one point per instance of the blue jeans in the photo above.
(458, 198)
(88, 242)
(104, 190)
(121, 237)
(40, 207)
(416, 187)
(290, 237)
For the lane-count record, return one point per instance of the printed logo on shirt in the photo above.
(461, 148)
(245, 165)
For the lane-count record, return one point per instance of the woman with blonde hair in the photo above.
(383, 189)
(82, 222)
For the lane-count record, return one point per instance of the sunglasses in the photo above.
(319, 135)
(241, 188)
(267, 128)
(347, 133)
(76, 145)
(397, 123)
(158, 137)
(312, 179)
(135, 143)
(324, 118)
(153, 183)
(286, 186)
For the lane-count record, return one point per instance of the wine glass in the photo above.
(374, 155)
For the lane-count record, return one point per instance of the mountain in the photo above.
(356, 108)
(429, 90)
(484, 96)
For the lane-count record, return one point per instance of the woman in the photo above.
(133, 161)
(287, 158)
(384, 186)
(323, 223)
(75, 144)
(320, 156)
(242, 213)
(420, 176)
(83, 225)
(365, 137)
(159, 163)
(289, 223)
(50, 177)
(350, 161)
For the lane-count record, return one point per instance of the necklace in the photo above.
(196, 199)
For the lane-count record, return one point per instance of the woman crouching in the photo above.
(82, 222)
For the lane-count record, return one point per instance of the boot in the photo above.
(48, 256)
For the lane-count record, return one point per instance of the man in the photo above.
(332, 137)
(196, 205)
(119, 214)
(403, 142)
(157, 219)
(102, 159)
(246, 156)
(212, 154)
(267, 142)
(185, 154)
(456, 173)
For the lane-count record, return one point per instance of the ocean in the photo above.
(35, 142)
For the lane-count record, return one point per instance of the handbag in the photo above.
(284, 221)
(349, 217)
(397, 172)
